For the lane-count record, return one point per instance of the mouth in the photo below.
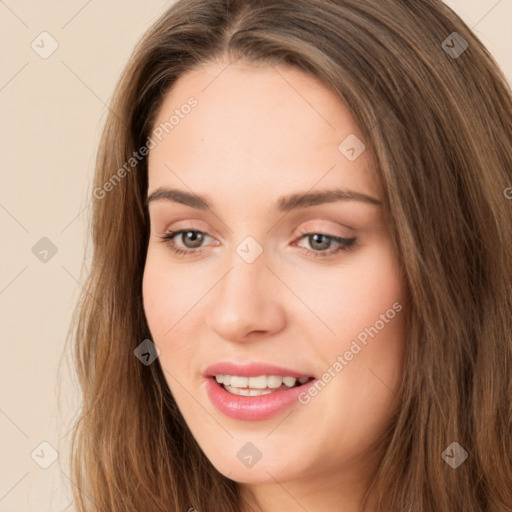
(256, 391)
(259, 385)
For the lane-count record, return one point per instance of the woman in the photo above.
(301, 290)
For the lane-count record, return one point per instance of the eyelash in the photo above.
(348, 243)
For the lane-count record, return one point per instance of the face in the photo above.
(268, 283)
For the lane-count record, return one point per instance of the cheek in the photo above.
(169, 295)
(160, 296)
(375, 286)
(155, 300)
(353, 297)
(366, 310)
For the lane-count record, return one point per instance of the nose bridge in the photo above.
(244, 300)
(247, 260)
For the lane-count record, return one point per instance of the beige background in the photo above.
(52, 113)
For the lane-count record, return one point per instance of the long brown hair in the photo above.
(435, 112)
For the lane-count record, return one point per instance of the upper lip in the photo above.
(253, 369)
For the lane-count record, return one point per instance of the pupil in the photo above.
(325, 245)
(196, 237)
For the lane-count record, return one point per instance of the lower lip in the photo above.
(252, 408)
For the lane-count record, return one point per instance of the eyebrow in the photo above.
(286, 203)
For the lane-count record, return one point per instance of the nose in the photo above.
(246, 302)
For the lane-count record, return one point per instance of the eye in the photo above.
(193, 236)
(320, 242)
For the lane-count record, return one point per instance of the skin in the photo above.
(257, 133)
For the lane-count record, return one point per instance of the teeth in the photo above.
(247, 392)
(260, 382)
(274, 381)
(239, 382)
(259, 392)
(289, 381)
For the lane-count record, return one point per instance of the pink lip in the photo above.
(251, 370)
(252, 408)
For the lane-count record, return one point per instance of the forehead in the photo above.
(256, 131)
